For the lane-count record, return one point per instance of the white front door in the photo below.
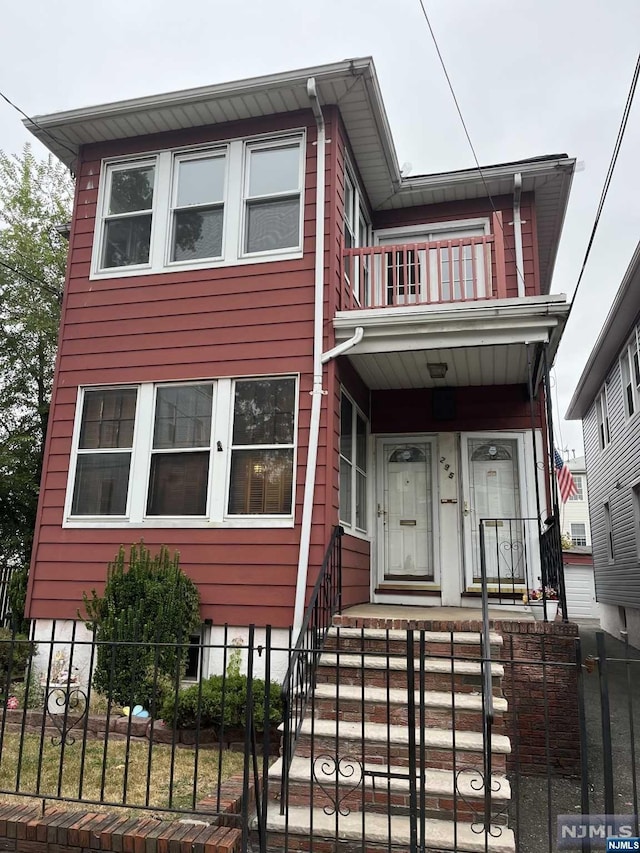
(406, 528)
(493, 486)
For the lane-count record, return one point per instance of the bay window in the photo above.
(202, 452)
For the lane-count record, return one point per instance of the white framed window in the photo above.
(354, 451)
(578, 533)
(578, 479)
(635, 491)
(185, 454)
(357, 233)
(272, 208)
(236, 202)
(602, 415)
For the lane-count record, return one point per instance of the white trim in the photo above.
(218, 484)
(233, 204)
(433, 228)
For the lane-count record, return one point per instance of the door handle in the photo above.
(466, 510)
(381, 512)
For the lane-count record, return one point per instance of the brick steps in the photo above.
(385, 789)
(354, 751)
(382, 744)
(378, 705)
(381, 833)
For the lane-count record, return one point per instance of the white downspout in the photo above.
(517, 232)
(344, 346)
(316, 392)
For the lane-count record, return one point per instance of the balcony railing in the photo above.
(462, 270)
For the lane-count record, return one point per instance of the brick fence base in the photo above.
(25, 829)
(541, 686)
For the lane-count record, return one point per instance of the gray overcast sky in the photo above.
(532, 77)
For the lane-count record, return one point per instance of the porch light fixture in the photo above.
(437, 369)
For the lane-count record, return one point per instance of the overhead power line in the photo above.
(609, 175)
(519, 272)
(51, 136)
(32, 279)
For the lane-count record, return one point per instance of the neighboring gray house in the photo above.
(607, 399)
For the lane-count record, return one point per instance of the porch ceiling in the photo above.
(482, 343)
(491, 365)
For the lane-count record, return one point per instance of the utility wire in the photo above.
(32, 279)
(519, 272)
(609, 175)
(39, 126)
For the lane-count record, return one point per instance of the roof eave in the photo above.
(620, 319)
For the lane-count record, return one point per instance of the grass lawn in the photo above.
(118, 778)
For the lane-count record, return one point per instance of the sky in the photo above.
(532, 77)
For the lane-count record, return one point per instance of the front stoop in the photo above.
(358, 720)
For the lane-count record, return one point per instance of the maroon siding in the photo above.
(181, 326)
(495, 407)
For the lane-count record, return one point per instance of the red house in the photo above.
(268, 331)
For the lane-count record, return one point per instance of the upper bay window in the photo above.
(232, 203)
(200, 451)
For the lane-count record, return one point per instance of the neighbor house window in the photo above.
(602, 415)
(630, 372)
(200, 451)
(578, 534)
(609, 532)
(578, 479)
(353, 466)
(235, 202)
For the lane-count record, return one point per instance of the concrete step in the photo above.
(382, 671)
(465, 644)
(386, 789)
(386, 744)
(380, 833)
(378, 705)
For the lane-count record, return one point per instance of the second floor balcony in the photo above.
(467, 269)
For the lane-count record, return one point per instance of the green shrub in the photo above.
(17, 596)
(15, 651)
(146, 603)
(207, 703)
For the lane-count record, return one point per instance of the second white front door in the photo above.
(406, 500)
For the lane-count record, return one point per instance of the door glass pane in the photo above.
(274, 170)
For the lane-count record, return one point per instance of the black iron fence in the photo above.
(391, 744)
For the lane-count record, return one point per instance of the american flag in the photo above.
(566, 483)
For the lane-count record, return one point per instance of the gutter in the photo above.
(517, 231)
(317, 391)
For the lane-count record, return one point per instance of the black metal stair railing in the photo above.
(299, 681)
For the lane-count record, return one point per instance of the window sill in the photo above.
(130, 272)
(200, 523)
